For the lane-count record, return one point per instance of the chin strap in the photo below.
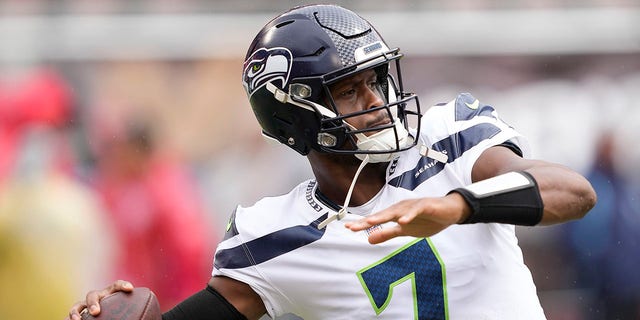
(343, 211)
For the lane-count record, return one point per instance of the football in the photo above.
(140, 304)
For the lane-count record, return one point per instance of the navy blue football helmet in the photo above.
(296, 57)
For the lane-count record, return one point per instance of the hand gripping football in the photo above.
(140, 304)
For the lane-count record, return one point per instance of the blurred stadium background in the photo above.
(80, 79)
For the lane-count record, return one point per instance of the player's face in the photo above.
(357, 93)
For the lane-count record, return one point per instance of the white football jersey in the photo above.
(464, 272)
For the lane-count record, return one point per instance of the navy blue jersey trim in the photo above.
(454, 146)
(269, 246)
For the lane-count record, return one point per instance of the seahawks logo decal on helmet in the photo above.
(266, 65)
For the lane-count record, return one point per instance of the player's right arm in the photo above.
(224, 298)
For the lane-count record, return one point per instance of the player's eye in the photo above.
(347, 93)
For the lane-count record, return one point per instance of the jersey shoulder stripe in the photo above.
(453, 146)
(269, 246)
(454, 128)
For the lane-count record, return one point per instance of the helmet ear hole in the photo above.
(284, 129)
(288, 133)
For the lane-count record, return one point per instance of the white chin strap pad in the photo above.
(384, 140)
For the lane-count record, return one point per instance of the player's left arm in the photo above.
(566, 195)
(551, 194)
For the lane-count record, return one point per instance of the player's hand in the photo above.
(91, 303)
(421, 217)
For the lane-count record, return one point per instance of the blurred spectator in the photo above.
(606, 243)
(40, 97)
(165, 240)
(54, 244)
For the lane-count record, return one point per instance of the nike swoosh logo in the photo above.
(473, 105)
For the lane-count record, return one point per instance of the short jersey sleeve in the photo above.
(464, 127)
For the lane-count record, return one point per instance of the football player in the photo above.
(409, 216)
